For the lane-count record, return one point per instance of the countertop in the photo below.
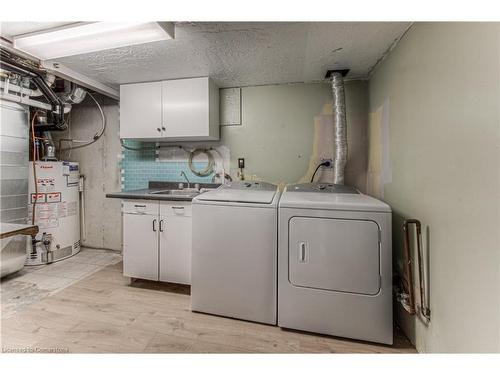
(10, 229)
(160, 185)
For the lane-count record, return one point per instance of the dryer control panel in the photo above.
(318, 187)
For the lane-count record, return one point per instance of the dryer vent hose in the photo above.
(340, 129)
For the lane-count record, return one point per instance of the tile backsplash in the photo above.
(140, 167)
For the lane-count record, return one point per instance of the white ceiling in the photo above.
(9, 29)
(239, 53)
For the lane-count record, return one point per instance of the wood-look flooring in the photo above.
(106, 313)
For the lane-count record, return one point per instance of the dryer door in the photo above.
(334, 254)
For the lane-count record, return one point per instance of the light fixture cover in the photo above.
(84, 37)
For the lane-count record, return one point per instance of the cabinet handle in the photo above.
(303, 252)
(154, 225)
(158, 129)
(177, 207)
(161, 225)
(140, 205)
(163, 128)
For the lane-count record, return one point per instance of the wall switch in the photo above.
(241, 163)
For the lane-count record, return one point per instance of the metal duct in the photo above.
(49, 148)
(340, 128)
(24, 91)
(36, 76)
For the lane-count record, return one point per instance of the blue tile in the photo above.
(140, 167)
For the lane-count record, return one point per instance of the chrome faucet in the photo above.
(183, 174)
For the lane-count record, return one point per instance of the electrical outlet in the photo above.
(241, 163)
(331, 163)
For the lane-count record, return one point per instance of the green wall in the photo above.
(442, 83)
(277, 132)
(275, 138)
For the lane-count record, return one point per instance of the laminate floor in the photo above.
(105, 313)
(33, 283)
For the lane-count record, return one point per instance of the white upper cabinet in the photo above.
(140, 110)
(176, 110)
(191, 109)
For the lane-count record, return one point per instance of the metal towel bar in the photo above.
(407, 297)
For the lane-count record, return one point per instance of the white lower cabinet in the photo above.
(157, 241)
(175, 243)
(140, 239)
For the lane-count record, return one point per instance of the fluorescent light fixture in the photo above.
(84, 37)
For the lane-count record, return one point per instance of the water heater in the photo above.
(57, 210)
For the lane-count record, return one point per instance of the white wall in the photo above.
(99, 163)
(442, 83)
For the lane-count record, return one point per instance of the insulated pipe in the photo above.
(24, 100)
(18, 89)
(7, 86)
(340, 128)
(25, 97)
(35, 75)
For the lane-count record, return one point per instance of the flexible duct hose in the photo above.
(340, 128)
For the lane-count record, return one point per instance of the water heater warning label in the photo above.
(71, 209)
(46, 184)
(39, 198)
(47, 215)
(53, 197)
(46, 223)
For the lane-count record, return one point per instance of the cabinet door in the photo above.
(141, 110)
(140, 245)
(334, 254)
(175, 243)
(186, 108)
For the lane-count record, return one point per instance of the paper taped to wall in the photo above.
(379, 165)
(322, 145)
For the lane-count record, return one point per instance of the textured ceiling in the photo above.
(247, 53)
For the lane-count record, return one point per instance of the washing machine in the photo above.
(234, 251)
(335, 262)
